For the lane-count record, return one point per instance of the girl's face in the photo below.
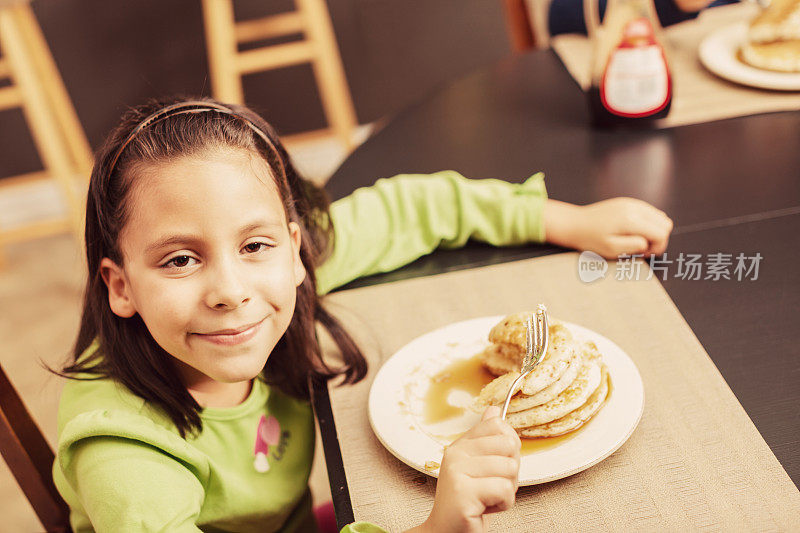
(210, 264)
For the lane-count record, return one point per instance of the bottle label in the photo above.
(636, 82)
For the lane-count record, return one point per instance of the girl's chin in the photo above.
(227, 374)
(237, 375)
(222, 366)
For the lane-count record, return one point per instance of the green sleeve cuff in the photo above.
(362, 527)
(534, 188)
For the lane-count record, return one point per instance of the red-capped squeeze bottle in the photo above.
(631, 82)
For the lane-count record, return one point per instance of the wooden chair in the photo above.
(36, 87)
(527, 23)
(30, 459)
(227, 64)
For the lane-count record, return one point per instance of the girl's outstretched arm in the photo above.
(400, 219)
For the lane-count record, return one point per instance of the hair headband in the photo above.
(195, 106)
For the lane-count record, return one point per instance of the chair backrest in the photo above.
(30, 459)
(7, 3)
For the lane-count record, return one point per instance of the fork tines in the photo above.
(530, 341)
(542, 330)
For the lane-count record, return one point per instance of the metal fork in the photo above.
(536, 341)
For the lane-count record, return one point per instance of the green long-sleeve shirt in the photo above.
(122, 465)
(398, 220)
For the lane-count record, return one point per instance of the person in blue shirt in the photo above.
(566, 16)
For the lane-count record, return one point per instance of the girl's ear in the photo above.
(299, 270)
(118, 290)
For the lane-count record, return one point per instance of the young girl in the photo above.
(207, 255)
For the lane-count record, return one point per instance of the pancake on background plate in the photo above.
(773, 39)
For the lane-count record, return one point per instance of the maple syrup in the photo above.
(541, 444)
(631, 82)
(467, 375)
(470, 376)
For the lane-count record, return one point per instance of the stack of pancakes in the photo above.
(565, 390)
(773, 40)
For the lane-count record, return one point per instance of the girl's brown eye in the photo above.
(254, 247)
(180, 261)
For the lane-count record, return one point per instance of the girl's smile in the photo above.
(232, 336)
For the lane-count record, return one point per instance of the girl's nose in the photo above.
(227, 286)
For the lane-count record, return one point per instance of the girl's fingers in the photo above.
(495, 493)
(493, 509)
(644, 206)
(627, 244)
(637, 228)
(492, 411)
(659, 229)
(657, 248)
(659, 219)
(491, 466)
(643, 225)
(500, 445)
(489, 426)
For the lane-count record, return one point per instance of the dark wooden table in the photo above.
(731, 186)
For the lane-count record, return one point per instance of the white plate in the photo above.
(719, 54)
(396, 404)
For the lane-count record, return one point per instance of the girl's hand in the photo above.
(610, 227)
(478, 475)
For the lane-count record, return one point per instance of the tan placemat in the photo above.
(695, 461)
(699, 95)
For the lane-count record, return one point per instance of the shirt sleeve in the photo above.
(397, 220)
(126, 485)
(362, 527)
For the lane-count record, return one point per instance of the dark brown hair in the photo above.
(127, 352)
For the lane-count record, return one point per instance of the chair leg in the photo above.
(226, 80)
(56, 92)
(44, 129)
(30, 459)
(329, 71)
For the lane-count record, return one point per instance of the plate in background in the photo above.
(719, 53)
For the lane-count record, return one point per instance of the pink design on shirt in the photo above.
(268, 434)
